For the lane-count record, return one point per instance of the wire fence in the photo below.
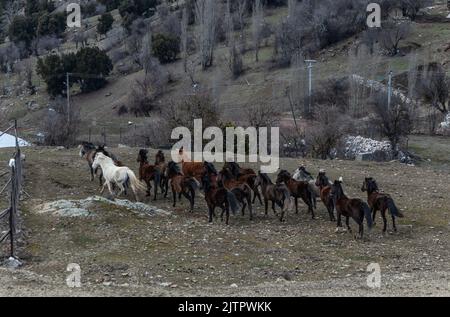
(13, 187)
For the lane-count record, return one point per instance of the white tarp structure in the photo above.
(8, 140)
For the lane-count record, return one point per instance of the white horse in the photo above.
(121, 176)
(301, 174)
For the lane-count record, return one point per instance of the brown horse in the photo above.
(324, 186)
(350, 208)
(221, 197)
(298, 189)
(148, 173)
(180, 184)
(380, 201)
(240, 188)
(237, 171)
(277, 194)
(192, 169)
(160, 162)
(247, 175)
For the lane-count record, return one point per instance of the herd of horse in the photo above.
(234, 188)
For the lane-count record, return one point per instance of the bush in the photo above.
(165, 47)
(90, 61)
(105, 23)
(57, 128)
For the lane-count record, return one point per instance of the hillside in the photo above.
(261, 81)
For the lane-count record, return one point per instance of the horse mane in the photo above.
(265, 178)
(372, 185)
(234, 168)
(338, 190)
(88, 145)
(143, 155)
(174, 167)
(161, 156)
(324, 177)
(210, 168)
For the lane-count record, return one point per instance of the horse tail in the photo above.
(367, 214)
(232, 202)
(248, 196)
(285, 195)
(193, 184)
(393, 208)
(134, 182)
(312, 194)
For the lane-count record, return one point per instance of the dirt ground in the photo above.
(124, 253)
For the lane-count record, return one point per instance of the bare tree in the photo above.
(60, 127)
(257, 26)
(262, 114)
(235, 62)
(433, 86)
(184, 37)
(146, 52)
(326, 133)
(205, 14)
(200, 105)
(241, 11)
(394, 122)
(391, 34)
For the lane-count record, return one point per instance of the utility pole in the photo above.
(310, 63)
(390, 90)
(68, 98)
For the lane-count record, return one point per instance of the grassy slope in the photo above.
(267, 83)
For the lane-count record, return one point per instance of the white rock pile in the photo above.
(358, 146)
(85, 207)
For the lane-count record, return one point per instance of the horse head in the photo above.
(322, 179)
(210, 168)
(160, 158)
(142, 156)
(336, 190)
(369, 185)
(283, 176)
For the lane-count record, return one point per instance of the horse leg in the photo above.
(257, 194)
(266, 205)
(383, 214)
(190, 199)
(156, 192)
(211, 212)
(296, 205)
(331, 212)
(347, 222)
(149, 187)
(273, 207)
(361, 230)
(174, 197)
(374, 214)
(249, 203)
(92, 173)
(393, 223)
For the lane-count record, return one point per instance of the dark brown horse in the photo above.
(350, 208)
(277, 194)
(193, 169)
(237, 171)
(298, 189)
(380, 201)
(221, 197)
(240, 188)
(148, 173)
(88, 151)
(180, 184)
(325, 193)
